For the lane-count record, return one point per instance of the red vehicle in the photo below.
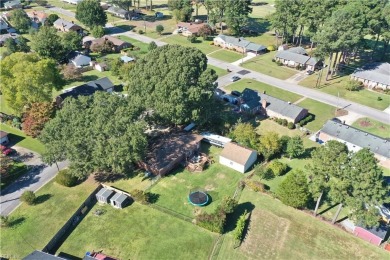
(5, 150)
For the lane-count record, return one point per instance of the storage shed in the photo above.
(104, 195)
(237, 157)
(119, 200)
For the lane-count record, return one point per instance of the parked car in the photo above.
(219, 92)
(235, 78)
(309, 72)
(6, 151)
(235, 93)
(215, 84)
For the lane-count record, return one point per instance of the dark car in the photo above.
(235, 78)
(235, 93)
(309, 72)
(219, 92)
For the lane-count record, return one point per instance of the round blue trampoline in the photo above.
(198, 198)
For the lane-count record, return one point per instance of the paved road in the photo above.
(33, 180)
(62, 11)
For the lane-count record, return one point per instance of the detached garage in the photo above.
(237, 157)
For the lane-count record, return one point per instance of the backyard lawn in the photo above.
(322, 112)
(220, 72)
(35, 225)
(263, 64)
(336, 87)
(202, 45)
(280, 232)
(217, 179)
(260, 86)
(17, 137)
(226, 55)
(373, 127)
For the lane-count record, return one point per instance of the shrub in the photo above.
(379, 99)
(263, 173)
(140, 196)
(353, 85)
(294, 190)
(277, 168)
(159, 29)
(66, 179)
(290, 125)
(214, 222)
(273, 60)
(227, 205)
(284, 122)
(140, 32)
(239, 230)
(5, 221)
(255, 186)
(28, 197)
(306, 120)
(279, 63)
(211, 43)
(271, 48)
(191, 39)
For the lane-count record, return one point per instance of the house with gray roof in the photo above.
(298, 50)
(119, 200)
(12, 5)
(278, 108)
(65, 26)
(375, 75)
(355, 140)
(4, 37)
(238, 44)
(250, 101)
(297, 57)
(3, 24)
(39, 255)
(119, 12)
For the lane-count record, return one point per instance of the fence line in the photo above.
(216, 247)
(172, 213)
(72, 222)
(154, 181)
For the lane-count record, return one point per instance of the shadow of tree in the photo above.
(42, 198)
(14, 139)
(239, 210)
(107, 177)
(327, 209)
(152, 197)
(14, 222)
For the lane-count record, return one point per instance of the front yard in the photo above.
(227, 55)
(35, 225)
(17, 137)
(373, 127)
(321, 111)
(264, 64)
(202, 45)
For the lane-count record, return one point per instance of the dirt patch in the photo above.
(209, 187)
(365, 123)
(221, 176)
(266, 235)
(382, 127)
(341, 112)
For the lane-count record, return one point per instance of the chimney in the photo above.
(264, 103)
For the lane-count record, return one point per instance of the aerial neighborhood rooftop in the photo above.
(194, 130)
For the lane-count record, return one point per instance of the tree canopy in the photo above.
(182, 9)
(20, 20)
(27, 78)
(71, 41)
(294, 190)
(98, 133)
(269, 145)
(90, 13)
(173, 82)
(36, 116)
(47, 43)
(245, 134)
(237, 14)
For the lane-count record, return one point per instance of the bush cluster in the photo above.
(140, 196)
(66, 179)
(28, 197)
(284, 122)
(215, 222)
(306, 120)
(277, 168)
(255, 185)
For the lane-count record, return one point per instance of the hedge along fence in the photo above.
(72, 223)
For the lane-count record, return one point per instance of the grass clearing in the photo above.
(220, 72)
(202, 45)
(336, 87)
(373, 127)
(226, 55)
(35, 225)
(241, 84)
(264, 64)
(17, 137)
(217, 179)
(138, 232)
(280, 232)
(322, 112)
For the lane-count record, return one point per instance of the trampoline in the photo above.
(198, 198)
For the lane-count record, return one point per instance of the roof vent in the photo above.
(289, 102)
(366, 134)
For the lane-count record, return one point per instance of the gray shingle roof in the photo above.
(282, 107)
(287, 55)
(377, 72)
(298, 50)
(255, 47)
(117, 10)
(39, 255)
(312, 61)
(119, 198)
(235, 41)
(81, 59)
(105, 193)
(64, 23)
(357, 137)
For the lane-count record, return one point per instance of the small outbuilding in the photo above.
(119, 200)
(237, 157)
(214, 139)
(374, 235)
(4, 137)
(104, 195)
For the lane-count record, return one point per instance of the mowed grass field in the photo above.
(35, 225)
(280, 232)
(138, 232)
(264, 64)
(17, 137)
(322, 112)
(373, 127)
(226, 55)
(217, 180)
(243, 83)
(202, 45)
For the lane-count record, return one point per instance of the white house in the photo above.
(3, 137)
(237, 157)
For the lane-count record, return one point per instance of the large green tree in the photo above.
(90, 13)
(27, 79)
(20, 20)
(236, 14)
(47, 43)
(294, 190)
(269, 145)
(295, 147)
(181, 9)
(172, 82)
(98, 133)
(245, 134)
(71, 41)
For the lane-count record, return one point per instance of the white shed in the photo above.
(104, 195)
(237, 157)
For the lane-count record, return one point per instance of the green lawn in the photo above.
(372, 126)
(138, 232)
(218, 180)
(263, 64)
(241, 84)
(202, 45)
(19, 138)
(220, 72)
(35, 225)
(336, 87)
(143, 47)
(227, 55)
(322, 112)
(280, 232)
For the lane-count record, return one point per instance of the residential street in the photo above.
(33, 180)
